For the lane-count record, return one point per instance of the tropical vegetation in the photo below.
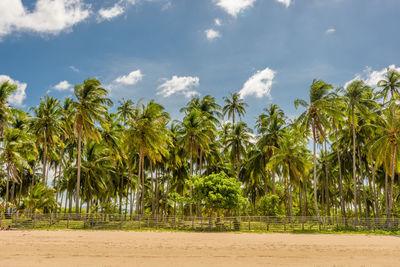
(339, 157)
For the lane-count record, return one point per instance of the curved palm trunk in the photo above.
(78, 177)
(315, 172)
(354, 163)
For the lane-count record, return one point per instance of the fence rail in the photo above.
(237, 223)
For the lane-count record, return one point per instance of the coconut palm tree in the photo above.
(90, 107)
(355, 96)
(270, 124)
(292, 158)
(314, 117)
(46, 126)
(391, 84)
(237, 143)
(384, 147)
(148, 136)
(6, 90)
(234, 105)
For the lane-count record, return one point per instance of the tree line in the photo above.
(338, 157)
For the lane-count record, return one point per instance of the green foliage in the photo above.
(270, 206)
(217, 192)
(40, 199)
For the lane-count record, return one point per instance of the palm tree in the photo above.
(237, 143)
(148, 136)
(234, 105)
(384, 147)
(292, 157)
(46, 126)
(16, 151)
(6, 90)
(270, 126)
(391, 84)
(355, 96)
(315, 118)
(90, 107)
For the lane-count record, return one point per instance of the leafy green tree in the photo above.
(218, 193)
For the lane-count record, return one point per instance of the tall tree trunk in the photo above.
(328, 211)
(44, 160)
(152, 188)
(386, 194)
(342, 204)
(393, 168)
(191, 172)
(60, 169)
(273, 182)
(315, 172)
(362, 179)
(78, 177)
(143, 186)
(139, 177)
(354, 162)
(157, 192)
(300, 198)
(7, 187)
(374, 189)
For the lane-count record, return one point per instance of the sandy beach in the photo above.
(117, 248)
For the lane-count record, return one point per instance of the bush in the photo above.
(270, 206)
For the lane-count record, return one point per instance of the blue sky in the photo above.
(169, 50)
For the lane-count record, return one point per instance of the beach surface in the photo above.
(118, 248)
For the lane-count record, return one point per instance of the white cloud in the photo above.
(73, 68)
(212, 34)
(112, 12)
(18, 97)
(183, 85)
(63, 86)
(48, 16)
(331, 30)
(285, 2)
(190, 94)
(130, 79)
(234, 7)
(259, 84)
(372, 77)
(217, 22)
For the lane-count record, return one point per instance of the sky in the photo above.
(171, 50)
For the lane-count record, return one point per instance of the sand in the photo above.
(117, 248)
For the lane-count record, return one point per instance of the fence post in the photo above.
(121, 222)
(249, 224)
(51, 219)
(139, 221)
(68, 220)
(284, 224)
